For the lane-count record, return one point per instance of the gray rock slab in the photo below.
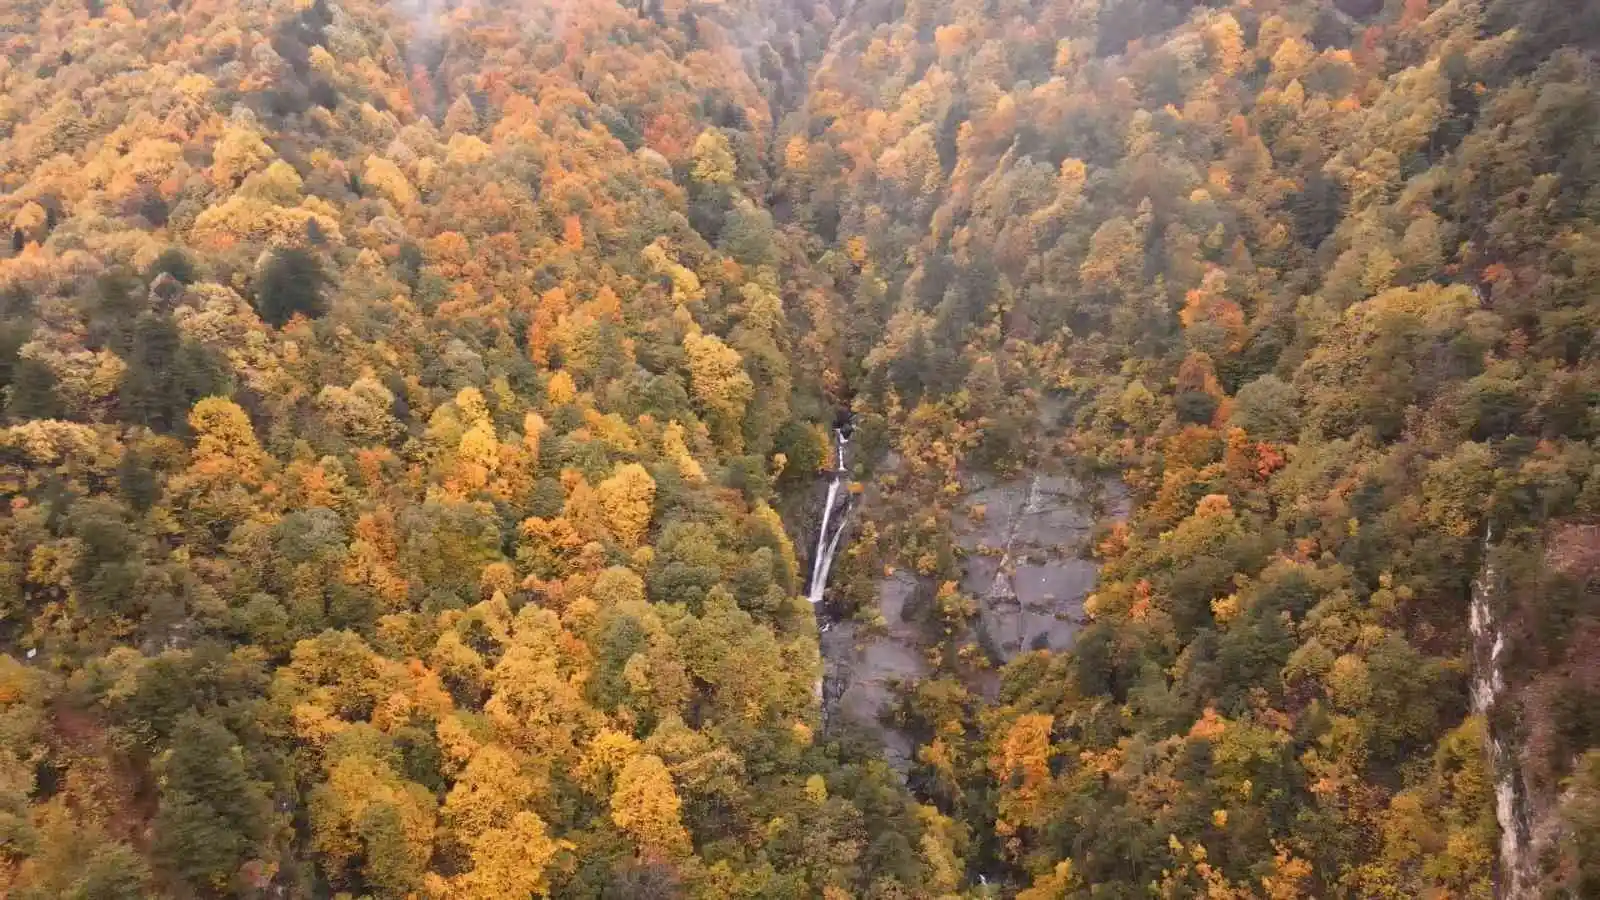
(875, 671)
(979, 576)
(1055, 586)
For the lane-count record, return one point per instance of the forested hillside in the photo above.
(412, 418)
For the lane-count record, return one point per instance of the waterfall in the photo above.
(828, 541)
(821, 559)
(1488, 683)
(826, 559)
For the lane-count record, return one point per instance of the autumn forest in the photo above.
(416, 416)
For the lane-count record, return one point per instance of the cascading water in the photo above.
(828, 540)
(1488, 683)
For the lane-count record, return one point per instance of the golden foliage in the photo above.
(626, 498)
(646, 805)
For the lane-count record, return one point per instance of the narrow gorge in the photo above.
(1488, 688)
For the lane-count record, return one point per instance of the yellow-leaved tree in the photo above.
(720, 385)
(487, 795)
(506, 862)
(645, 805)
(714, 162)
(225, 448)
(387, 178)
(676, 449)
(626, 498)
(1023, 764)
(367, 814)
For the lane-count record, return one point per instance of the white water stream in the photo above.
(828, 541)
(1488, 683)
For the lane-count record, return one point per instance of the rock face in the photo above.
(860, 681)
(1026, 541)
(1027, 563)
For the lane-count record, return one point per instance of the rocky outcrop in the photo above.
(1028, 565)
(1025, 540)
(862, 679)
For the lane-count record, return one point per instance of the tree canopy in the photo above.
(411, 415)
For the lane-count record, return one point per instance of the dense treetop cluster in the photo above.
(410, 410)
